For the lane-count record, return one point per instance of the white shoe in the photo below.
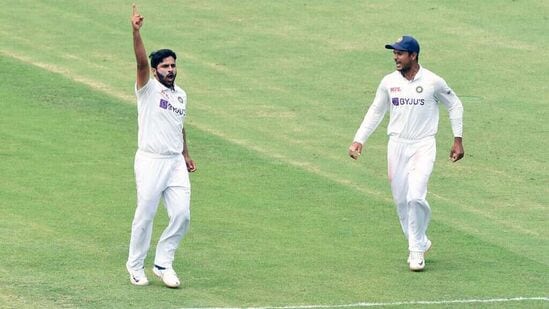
(417, 261)
(168, 276)
(137, 277)
(426, 250)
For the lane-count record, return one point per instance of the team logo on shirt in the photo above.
(419, 89)
(180, 99)
(164, 104)
(167, 106)
(407, 101)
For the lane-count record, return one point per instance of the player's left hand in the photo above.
(355, 150)
(191, 166)
(457, 152)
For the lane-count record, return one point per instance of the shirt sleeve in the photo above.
(451, 101)
(374, 116)
(144, 92)
(147, 88)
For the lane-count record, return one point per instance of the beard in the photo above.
(167, 80)
(403, 68)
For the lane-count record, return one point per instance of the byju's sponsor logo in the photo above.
(167, 106)
(164, 104)
(407, 101)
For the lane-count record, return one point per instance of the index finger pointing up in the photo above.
(134, 9)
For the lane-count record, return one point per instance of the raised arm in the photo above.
(143, 70)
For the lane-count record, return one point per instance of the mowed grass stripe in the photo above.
(240, 79)
(229, 13)
(277, 155)
(212, 64)
(456, 213)
(313, 266)
(71, 212)
(485, 193)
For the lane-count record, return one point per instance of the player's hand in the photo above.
(137, 20)
(457, 152)
(191, 166)
(355, 150)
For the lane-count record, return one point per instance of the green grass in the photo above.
(280, 216)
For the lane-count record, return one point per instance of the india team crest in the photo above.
(419, 89)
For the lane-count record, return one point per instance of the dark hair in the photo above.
(159, 55)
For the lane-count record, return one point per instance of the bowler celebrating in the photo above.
(412, 95)
(162, 161)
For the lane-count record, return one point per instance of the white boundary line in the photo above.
(403, 303)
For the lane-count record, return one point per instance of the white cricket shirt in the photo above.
(160, 117)
(413, 107)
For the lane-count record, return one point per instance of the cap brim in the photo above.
(395, 46)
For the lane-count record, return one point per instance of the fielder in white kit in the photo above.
(411, 94)
(162, 161)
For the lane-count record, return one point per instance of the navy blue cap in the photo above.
(405, 43)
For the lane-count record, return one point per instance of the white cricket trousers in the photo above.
(159, 177)
(410, 164)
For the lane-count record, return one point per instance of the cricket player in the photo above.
(412, 95)
(162, 161)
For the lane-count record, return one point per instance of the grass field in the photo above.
(280, 216)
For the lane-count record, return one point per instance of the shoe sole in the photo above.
(161, 279)
(137, 283)
(418, 268)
